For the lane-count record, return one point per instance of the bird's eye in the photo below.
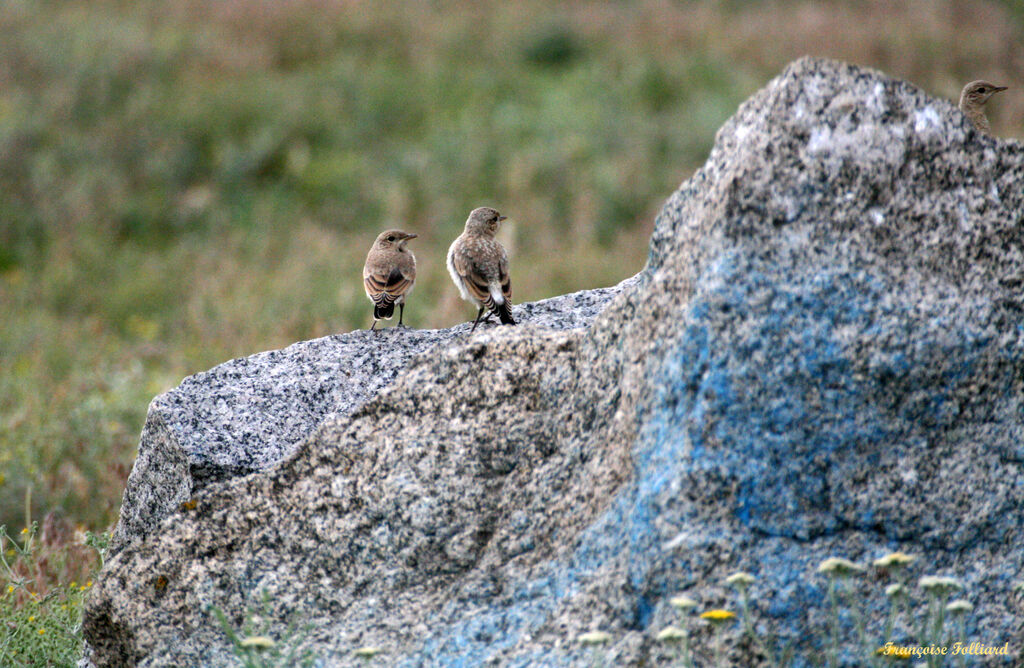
(982, 89)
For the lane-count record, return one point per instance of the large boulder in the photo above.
(823, 357)
(248, 414)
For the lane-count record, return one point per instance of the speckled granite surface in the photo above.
(248, 414)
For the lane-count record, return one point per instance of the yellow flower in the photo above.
(42, 631)
(671, 634)
(24, 531)
(10, 589)
(682, 602)
(73, 584)
(31, 618)
(594, 638)
(718, 616)
(367, 652)
(894, 559)
(259, 642)
(839, 566)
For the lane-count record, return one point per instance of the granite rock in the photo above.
(246, 415)
(823, 357)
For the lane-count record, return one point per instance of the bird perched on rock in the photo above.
(972, 103)
(478, 264)
(389, 274)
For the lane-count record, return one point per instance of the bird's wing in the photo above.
(387, 287)
(504, 279)
(473, 276)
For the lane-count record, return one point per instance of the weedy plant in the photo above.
(741, 582)
(596, 642)
(928, 631)
(678, 637)
(840, 572)
(254, 644)
(368, 653)
(45, 575)
(718, 618)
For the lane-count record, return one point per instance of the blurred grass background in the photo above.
(183, 183)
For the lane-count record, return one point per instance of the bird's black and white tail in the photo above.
(383, 309)
(502, 310)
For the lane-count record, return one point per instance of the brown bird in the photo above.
(972, 103)
(478, 264)
(389, 274)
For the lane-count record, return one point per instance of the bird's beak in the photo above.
(501, 218)
(999, 88)
(411, 236)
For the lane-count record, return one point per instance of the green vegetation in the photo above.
(45, 575)
(182, 183)
(254, 645)
(922, 631)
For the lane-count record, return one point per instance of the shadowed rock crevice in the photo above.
(820, 359)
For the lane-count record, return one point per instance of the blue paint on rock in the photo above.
(774, 418)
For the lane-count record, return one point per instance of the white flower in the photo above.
(259, 642)
(894, 590)
(939, 585)
(740, 579)
(839, 566)
(683, 602)
(671, 634)
(894, 559)
(594, 638)
(959, 606)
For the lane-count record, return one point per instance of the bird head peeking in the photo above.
(484, 220)
(393, 239)
(977, 93)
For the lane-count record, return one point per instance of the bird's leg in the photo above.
(477, 321)
(373, 327)
(401, 312)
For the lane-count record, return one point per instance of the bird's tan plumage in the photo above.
(972, 103)
(478, 265)
(389, 274)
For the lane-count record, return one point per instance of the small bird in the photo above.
(972, 103)
(389, 274)
(478, 264)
